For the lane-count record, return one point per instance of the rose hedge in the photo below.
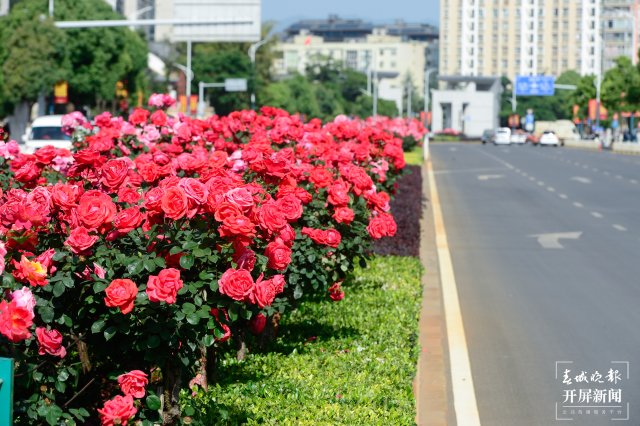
(129, 262)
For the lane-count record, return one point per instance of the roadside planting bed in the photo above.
(136, 266)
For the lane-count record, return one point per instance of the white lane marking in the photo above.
(619, 227)
(552, 240)
(563, 196)
(618, 176)
(488, 177)
(540, 183)
(581, 179)
(474, 170)
(453, 149)
(633, 181)
(606, 173)
(531, 178)
(596, 214)
(551, 189)
(525, 174)
(464, 396)
(578, 205)
(595, 169)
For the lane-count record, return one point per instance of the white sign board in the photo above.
(246, 13)
(235, 84)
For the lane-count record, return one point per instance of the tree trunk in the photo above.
(19, 119)
(171, 396)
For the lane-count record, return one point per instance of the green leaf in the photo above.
(206, 276)
(198, 252)
(109, 332)
(149, 265)
(46, 313)
(58, 289)
(193, 319)
(175, 250)
(153, 402)
(189, 410)
(208, 340)
(186, 261)
(99, 286)
(160, 262)
(297, 292)
(153, 341)
(53, 415)
(97, 326)
(188, 308)
(135, 267)
(63, 375)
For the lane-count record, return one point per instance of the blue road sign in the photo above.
(535, 85)
(6, 391)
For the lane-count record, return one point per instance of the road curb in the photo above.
(432, 387)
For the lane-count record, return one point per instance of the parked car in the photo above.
(518, 137)
(45, 130)
(487, 136)
(502, 136)
(548, 137)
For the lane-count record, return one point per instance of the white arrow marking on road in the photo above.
(487, 177)
(552, 240)
(581, 179)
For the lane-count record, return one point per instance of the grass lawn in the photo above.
(350, 362)
(414, 157)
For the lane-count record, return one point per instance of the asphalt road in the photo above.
(531, 308)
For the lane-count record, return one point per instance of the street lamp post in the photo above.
(252, 56)
(427, 90)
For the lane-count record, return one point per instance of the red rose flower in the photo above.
(215, 312)
(240, 226)
(148, 171)
(382, 225)
(129, 195)
(257, 324)
(128, 220)
(264, 292)
(139, 116)
(343, 215)
(121, 294)
(237, 284)
(79, 240)
(65, 196)
(226, 209)
(15, 321)
(133, 383)
(114, 172)
(95, 209)
(174, 203)
(321, 177)
(279, 255)
(50, 342)
(332, 238)
(165, 286)
(117, 411)
(271, 218)
(338, 193)
(291, 207)
(335, 292)
(30, 271)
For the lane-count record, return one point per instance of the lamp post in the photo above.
(427, 81)
(252, 56)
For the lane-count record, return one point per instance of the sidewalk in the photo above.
(432, 388)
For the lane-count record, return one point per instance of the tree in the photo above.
(621, 87)
(34, 54)
(585, 91)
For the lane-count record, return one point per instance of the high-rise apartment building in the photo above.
(620, 35)
(520, 37)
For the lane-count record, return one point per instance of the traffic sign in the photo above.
(235, 84)
(535, 85)
(227, 10)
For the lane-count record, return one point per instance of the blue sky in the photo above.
(289, 11)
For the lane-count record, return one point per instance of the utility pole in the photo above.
(189, 75)
(427, 90)
(409, 90)
(252, 57)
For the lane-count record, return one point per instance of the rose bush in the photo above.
(159, 238)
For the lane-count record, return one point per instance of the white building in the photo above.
(393, 59)
(466, 104)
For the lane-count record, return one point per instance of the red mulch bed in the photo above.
(407, 210)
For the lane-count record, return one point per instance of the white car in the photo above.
(45, 130)
(518, 138)
(502, 136)
(549, 138)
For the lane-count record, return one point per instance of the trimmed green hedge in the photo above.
(350, 362)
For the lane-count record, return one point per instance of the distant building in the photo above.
(466, 104)
(396, 53)
(4, 7)
(526, 37)
(620, 24)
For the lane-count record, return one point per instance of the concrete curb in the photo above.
(626, 148)
(591, 145)
(432, 387)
